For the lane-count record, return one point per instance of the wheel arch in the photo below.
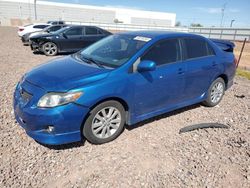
(49, 41)
(118, 99)
(43, 41)
(225, 78)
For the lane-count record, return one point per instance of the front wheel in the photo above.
(104, 123)
(49, 49)
(215, 93)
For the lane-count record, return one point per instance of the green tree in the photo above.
(178, 24)
(196, 25)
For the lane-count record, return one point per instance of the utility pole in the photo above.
(35, 9)
(231, 24)
(222, 13)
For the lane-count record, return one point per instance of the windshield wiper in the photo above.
(91, 60)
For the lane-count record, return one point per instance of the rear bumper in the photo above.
(230, 84)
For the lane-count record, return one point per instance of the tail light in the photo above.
(236, 62)
(20, 29)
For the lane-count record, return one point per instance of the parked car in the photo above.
(122, 79)
(22, 30)
(60, 22)
(50, 29)
(68, 39)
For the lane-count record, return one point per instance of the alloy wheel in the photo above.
(106, 122)
(50, 48)
(217, 92)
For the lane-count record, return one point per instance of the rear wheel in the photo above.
(49, 49)
(104, 123)
(215, 93)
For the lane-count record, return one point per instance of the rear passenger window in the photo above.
(91, 31)
(164, 52)
(197, 48)
(100, 32)
(210, 50)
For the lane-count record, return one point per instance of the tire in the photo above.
(49, 49)
(215, 93)
(104, 123)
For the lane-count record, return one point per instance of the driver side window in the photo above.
(164, 52)
(74, 31)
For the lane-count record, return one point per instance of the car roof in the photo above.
(59, 25)
(39, 24)
(82, 26)
(159, 34)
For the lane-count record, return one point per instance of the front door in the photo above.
(162, 88)
(72, 39)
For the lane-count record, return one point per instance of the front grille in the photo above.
(25, 95)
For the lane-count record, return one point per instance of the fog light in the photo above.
(50, 129)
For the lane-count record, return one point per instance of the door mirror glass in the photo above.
(146, 65)
(64, 35)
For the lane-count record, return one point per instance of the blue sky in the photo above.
(206, 12)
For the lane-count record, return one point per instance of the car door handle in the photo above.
(180, 71)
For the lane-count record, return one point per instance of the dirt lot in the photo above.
(153, 154)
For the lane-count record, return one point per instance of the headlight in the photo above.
(56, 99)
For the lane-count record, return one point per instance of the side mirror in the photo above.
(146, 65)
(64, 35)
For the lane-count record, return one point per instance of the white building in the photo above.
(18, 12)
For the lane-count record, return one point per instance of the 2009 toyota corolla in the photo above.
(122, 79)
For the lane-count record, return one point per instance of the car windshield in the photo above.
(62, 30)
(114, 50)
(27, 25)
(46, 29)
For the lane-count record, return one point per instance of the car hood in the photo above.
(64, 74)
(39, 35)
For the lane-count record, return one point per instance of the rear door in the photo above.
(72, 39)
(202, 65)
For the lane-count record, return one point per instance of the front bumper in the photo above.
(66, 120)
(25, 40)
(34, 46)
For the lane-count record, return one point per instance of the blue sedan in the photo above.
(122, 79)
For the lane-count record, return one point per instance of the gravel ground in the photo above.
(152, 154)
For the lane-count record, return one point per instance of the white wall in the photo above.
(24, 9)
